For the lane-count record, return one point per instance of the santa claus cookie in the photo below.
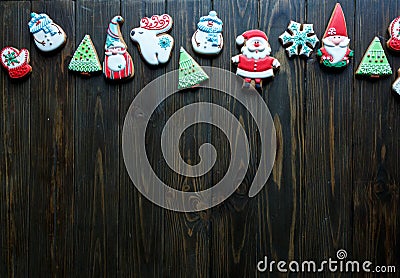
(15, 62)
(300, 40)
(394, 31)
(335, 52)
(396, 84)
(154, 45)
(255, 63)
(48, 36)
(118, 64)
(208, 40)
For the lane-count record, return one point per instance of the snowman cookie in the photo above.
(394, 31)
(15, 62)
(48, 36)
(154, 45)
(208, 40)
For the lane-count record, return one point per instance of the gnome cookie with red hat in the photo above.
(335, 52)
(255, 63)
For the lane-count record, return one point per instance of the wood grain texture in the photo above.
(141, 225)
(52, 151)
(69, 209)
(234, 222)
(187, 232)
(376, 149)
(326, 194)
(285, 96)
(97, 154)
(15, 152)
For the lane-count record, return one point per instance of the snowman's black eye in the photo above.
(140, 32)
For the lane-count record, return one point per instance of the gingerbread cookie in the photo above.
(118, 64)
(85, 60)
(396, 84)
(255, 62)
(300, 40)
(154, 45)
(15, 62)
(335, 52)
(374, 64)
(208, 40)
(190, 72)
(394, 31)
(48, 36)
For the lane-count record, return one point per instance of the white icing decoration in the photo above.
(208, 39)
(396, 85)
(155, 47)
(116, 62)
(20, 57)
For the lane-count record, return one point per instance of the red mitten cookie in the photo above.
(15, 62)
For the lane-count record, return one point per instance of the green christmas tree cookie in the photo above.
(374, 63)
(190, 73)
(85, 59)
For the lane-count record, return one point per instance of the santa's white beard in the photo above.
(256, 54)
(338, 52)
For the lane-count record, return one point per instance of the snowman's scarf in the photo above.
(50, 28)
(215, 29)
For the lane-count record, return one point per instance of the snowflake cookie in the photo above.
(300, 40)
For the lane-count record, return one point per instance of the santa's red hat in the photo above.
(251, 34)
(337, 23)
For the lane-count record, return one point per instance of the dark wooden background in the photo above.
(68, 207)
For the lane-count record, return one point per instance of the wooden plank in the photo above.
(326, 192)
(51, 190)
(186, 248)
(376, 147)
(234, 243)
(97, 154)
(285, 96)
(14, 149)
(141, 223)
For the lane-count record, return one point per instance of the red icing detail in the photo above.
(337, 23)
(125, 73)
(394, 42)
(156, 22)
(259, 65)
(38, 22)
(254, 33)
(20, 72)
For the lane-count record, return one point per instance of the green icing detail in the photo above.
(190, 72)
(11, 58)
(85, 58)
(374, 61)
(337, 65)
